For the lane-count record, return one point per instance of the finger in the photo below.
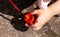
(26, 25)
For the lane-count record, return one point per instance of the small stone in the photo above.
(51, 28)
(5, 15)
(43, 33)
(34, 6)
(0, 17)
(2, 23)
(8, 29)
(8, 36)
(40, 34)
(58, 20)
(0, 26)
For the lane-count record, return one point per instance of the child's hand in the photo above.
(43, 17)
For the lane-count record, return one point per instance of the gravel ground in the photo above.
(51, 29)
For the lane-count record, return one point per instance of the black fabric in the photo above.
(23, 3)
(7, 8)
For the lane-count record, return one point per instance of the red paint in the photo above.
(29, 18)
(12, 3)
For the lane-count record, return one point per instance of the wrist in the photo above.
(49, 12)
